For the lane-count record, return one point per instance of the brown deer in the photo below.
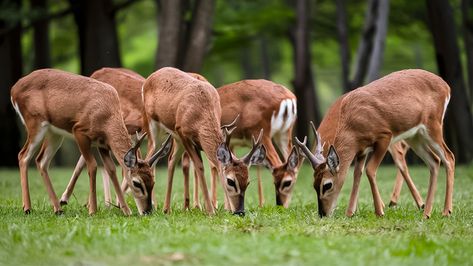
(53, 104)
(363, 124)
(189, 109)
(272, 107)
(128, 85)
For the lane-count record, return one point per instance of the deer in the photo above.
(362, 125)
(189, 109)
(53, 104)
(128, 85)
(272, 107)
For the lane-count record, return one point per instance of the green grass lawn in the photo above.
(265, 236)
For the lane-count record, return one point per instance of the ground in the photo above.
(265, 236)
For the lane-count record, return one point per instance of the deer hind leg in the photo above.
(35, 137)
(196, 204)
(177, 151)
(420, 147)
(185, 161)
(379, 151)
(50, 146)
(398, 152)
(438, 146)
(72, 182)
(358, 171)
(111, 171)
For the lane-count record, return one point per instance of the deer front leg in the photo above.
(358, 171)
(213, 186)
(176, 155)
(379, 150)
(111, 171)
(84, 147)
(260, 187)
(185, 171)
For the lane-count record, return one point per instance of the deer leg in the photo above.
(199, 169)
(438, 146)
(260, 186)
(35, 137)
(109, 167)
(398, 154)
(185, 170)
(106, 188)
(358, 171)
(213, 185)
(43, 160)
(72, 182)
(84, 147)
(196, 190)
(372, 164)
(172, 160)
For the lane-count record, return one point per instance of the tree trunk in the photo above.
(170, 32)
(459, 122)
(10, 72)
(98, 38)
(379, 38)
(342, 33)
(199, 35)
(42, 54)
(366, 45)
(307, 104)
(467, 16)
(265, 58)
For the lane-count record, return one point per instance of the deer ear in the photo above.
(259, 156)
(130, 158)
(223, 154)
(333, 161)
(293, 159)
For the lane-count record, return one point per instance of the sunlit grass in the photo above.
(265, 236)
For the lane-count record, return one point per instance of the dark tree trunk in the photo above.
(265, 58)
(10, 72)
(458, 122)
(381, 28)
(307, 104)
(342, 30)
(247, 62)
(170, 32)
(366, 45)
(98, 38)
(199, 35)
(467, 14)
(42, 54)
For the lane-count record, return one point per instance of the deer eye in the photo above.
(286, 183)
(326, 187)
(138, 185)
(231, 182)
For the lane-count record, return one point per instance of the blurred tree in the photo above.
(304, 87)
(10, 72)
(98, 41)
(370, 52)
(342, 34)
(183, 42)
(42, 55)
(458, 122)
(467, 17)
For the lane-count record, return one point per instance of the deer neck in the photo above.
(119, 142)
(209, 140)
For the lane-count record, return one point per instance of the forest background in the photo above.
(318, 49)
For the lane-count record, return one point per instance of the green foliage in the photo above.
(265, 236)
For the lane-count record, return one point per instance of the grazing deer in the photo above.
(363, 124)
(272, 107)
(53, 104)
(128, 85)
(189, 109)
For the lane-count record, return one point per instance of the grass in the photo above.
(265, 236)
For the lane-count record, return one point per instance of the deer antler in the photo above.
(314, 160)
(256, 145)
(318, 153)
